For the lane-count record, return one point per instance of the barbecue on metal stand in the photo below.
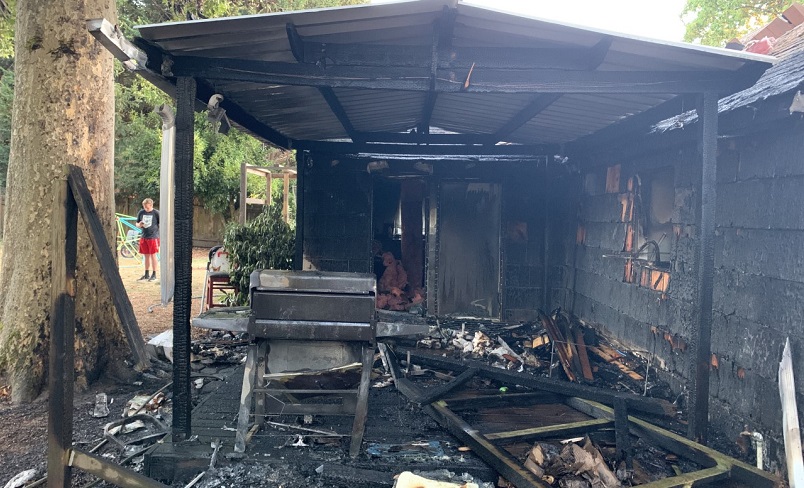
(327, 308)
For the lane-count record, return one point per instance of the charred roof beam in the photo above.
(534, 108)
(443, 31)
(335, 105)
(477, 80)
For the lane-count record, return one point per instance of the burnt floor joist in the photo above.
(490, 445)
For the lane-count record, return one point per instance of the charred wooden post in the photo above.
(62, 329)
(301, 166)
(182, 235)
(705, 254)
(621, 431)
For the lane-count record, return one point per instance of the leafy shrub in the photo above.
(266, 242)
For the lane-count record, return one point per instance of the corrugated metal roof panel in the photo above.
(300, 112)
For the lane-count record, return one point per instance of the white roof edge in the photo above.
(679, 44)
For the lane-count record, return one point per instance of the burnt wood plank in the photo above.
(502, 400)
(432, 394)
(61, 355)
(707, 457)
(103, 251)
(532, 109)
(111, 472)
(497, 458)
(553, 431)
(635, 403)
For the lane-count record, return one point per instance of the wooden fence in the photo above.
(2, 213)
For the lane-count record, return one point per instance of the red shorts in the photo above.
(149, 246)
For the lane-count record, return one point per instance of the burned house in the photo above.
(514, 165)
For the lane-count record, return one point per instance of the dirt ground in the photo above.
(24, 430)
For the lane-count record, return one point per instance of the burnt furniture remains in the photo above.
(329, 318)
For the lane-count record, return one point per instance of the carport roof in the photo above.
(433, 72)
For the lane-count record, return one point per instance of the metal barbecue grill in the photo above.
(311, 308)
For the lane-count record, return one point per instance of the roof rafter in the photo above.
(449, 81)
(335, 105)
(443, 31)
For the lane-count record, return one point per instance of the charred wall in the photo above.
(759, 286)
(337, 216)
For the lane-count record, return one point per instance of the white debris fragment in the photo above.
(101, 406)
(21, 479)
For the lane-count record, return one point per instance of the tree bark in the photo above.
(63, 114)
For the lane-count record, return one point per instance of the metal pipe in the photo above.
(167, 278)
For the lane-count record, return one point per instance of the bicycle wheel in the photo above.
(126, 252)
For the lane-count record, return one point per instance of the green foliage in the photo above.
(6, 101)
(716, 22)
(267, 242)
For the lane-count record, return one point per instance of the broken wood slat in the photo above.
(504, 400)
(614, 359)
(641, 404)
(436, 393)
(497, 458)
(403, 385)
(583, 357)
(717, 465)
(559, 343)
(103, 251)
(792, 435)
(566, 329)
(111, 472)
(559, 430)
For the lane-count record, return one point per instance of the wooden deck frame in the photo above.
(488, 445)
(71, 197)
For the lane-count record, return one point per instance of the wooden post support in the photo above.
(298, 256)
(286, 197)
(182, 235)
(702, 329)
(243, 193)
(61, 358)
(621, 431)
(103, 250)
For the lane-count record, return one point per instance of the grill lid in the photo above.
(313, 281)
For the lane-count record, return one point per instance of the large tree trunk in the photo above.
(63, 114)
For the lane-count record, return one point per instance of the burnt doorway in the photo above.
(469, 249)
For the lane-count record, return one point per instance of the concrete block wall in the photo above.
(759, 285)
(337, 218)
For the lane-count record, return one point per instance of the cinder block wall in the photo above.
(759, 280)
(337, 217)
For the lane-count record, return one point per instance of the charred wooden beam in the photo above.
(61, 355)
(717, 465)
(482, 80)
(548, 431)
(432, 394)
(419, 137)
(297, 47)
(507, 399)
(621, 431)
(701, 337)
(534, 108)
(342, 148)
(340, 112)
(103, 251)
(111, 472)
(640, 404)
(497, 458)
(182, 234)
(450, 57)
(443, 32)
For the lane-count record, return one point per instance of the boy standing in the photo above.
(148, 221)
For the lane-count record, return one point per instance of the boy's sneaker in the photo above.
(152, 278)
(144, 277)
